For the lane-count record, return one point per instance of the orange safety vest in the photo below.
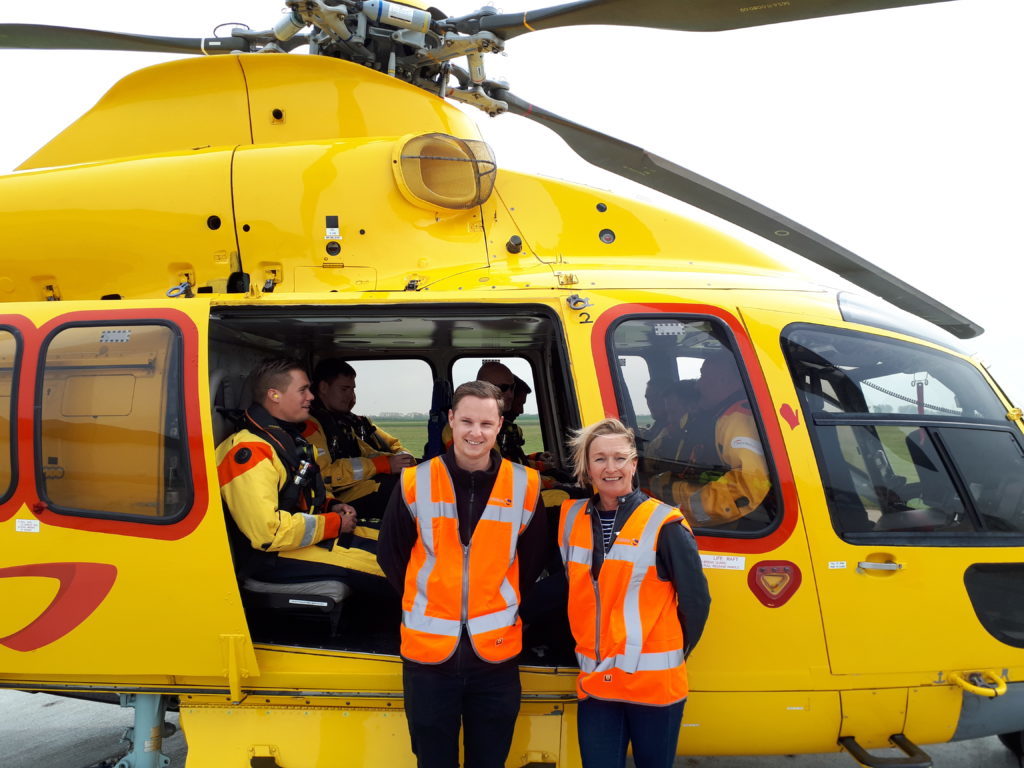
(448, 585)
(628, 640)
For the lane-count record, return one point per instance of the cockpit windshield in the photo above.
(909, 439)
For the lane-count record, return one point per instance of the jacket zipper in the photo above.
(597, 596)
(465, 559)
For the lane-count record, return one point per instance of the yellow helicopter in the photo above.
(227, 207)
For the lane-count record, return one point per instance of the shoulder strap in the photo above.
(304, 480)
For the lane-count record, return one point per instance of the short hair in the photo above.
(491, 367)
(684, 390)
(581, 441)
(328, 369)
(273, 373)
(482, 389)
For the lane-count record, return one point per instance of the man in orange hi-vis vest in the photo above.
(463, 536)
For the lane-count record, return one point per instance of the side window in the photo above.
(395, 395)
(521, 405)
(8, 366)
(701, 448)
(110, 423)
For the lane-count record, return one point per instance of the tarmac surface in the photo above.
(42, 731)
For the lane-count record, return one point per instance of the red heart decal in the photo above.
(791, 416)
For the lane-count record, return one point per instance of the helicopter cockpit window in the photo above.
(8, 365)
(701, 448)
(910, 440)
(110, 421)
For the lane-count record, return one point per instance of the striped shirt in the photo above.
(607, 524)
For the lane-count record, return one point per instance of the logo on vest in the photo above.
(607, 678)
(627, 542)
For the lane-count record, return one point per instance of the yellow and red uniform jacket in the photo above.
(351, 478)
(741, 483)
(251, 477)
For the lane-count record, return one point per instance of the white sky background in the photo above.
(898, 134)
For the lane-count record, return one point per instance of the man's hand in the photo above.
(400, 461)
(347, 515)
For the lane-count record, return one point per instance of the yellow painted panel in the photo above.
(760, 723)
(932, 713)
(323, 733)
(23, 598)
(384, 240)
(303, 98)
(129, 227)
(202, 103)
(871, 717)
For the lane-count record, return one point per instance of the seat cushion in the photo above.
(336, 590)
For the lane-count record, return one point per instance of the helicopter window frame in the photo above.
(554, 388)
(175, 410)
(12, 435)
(624, 404)
(932, 427)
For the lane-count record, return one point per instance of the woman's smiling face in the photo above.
(611, 464)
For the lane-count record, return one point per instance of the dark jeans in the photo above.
(484, 702)
(606, 727)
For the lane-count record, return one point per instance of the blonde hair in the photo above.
(581, 440)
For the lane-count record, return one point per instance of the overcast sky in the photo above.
(897, 134)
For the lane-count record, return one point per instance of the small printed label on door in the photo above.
(26, 526)
(836, 565)
(724, 562)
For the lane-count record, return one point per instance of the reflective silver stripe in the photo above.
(570, 520)
(358, 473)
(492, 621)
(431, 624)
(424, 511)
(309, 529)
(647, 662)
(697, 509)
(642, 555)
(520, 482)
(508, 592)
(578, 555)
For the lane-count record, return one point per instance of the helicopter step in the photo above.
(915, 756)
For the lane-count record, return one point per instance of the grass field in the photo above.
(413, 434)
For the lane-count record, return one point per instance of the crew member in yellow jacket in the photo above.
(272, 487)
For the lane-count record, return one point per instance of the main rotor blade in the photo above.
(39, 36)
(688, 15)
(636, 164)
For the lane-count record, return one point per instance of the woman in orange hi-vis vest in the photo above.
(638, 601)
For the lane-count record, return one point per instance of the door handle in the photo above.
(868, 565)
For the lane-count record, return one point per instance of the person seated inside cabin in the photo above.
(654, 395)
(664, 451)
(273, 490)
(724, 476)
(360, 463)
